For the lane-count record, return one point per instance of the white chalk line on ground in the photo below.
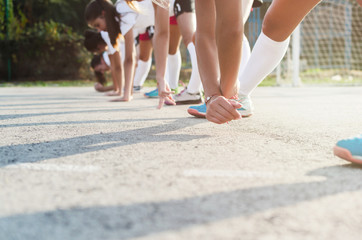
(54, 167)
(207, 173)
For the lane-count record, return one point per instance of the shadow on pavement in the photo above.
(143, 219)
(34, 152)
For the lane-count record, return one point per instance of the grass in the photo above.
(313, 77)
(58, 83)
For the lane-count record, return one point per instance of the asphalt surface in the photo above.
(75, 166)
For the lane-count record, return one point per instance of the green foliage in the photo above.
(42, 49)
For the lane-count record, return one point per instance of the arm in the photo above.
(116, 72)
(101, 88)
(161, 41)
(219, 109)
(129, 65)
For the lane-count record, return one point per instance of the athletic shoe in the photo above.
(198, 111)
(257, 3)
(185, 97)
(350, 149)
(175, 90)
(247, 108)
(136, 89)
(152, 94)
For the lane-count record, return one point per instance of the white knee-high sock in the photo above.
(244, 58)
(142, 71)
(173, 68)
(195, 80)
(265, 56)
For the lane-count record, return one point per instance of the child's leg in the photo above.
(280, 21)
(206, 49)
(229, 36)
(283, 16)
(174, 60)
(187, 27)
(144, 62)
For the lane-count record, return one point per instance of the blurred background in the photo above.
(43, 40)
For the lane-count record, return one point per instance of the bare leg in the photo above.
(206, 48)
(187, 26)
(229, 37)
(145, 50)
(283, 16)
(175, 39)
(174, 60)
(280, 21)
(144, 62)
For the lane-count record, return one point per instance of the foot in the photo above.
(247, 108)
(152, 94)
(122, 99)
(198, 111)
(350, 149)
(136, 89)
(184, 97)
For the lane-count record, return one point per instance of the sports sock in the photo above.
(244, 58)
(173, 68)
(195, 80)
(142, 71)
(264, 58)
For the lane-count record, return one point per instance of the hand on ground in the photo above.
(113, 93)
(164, 93)
(221, 110)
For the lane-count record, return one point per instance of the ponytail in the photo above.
(94, 10)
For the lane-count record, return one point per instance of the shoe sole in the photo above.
(346, 155)
(189, 102)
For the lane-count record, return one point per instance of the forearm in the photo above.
(105, 88)
(206, 50)
(161, 42)
(207, 59)
(116, 71)
(129, 66)
(229, 37)
(117, 77)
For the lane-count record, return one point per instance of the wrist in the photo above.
(210, 97)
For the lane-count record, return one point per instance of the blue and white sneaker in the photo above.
(246, 110)
(198, 111)
(152, 94)
(349, 149)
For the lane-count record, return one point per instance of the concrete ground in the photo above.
(75, 166)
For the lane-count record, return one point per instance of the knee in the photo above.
(274, 29)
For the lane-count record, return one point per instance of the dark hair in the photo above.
(94, 10)
(92, 39)
(100, 77)
(96, 60)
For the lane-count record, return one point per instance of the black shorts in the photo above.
(182, 6)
